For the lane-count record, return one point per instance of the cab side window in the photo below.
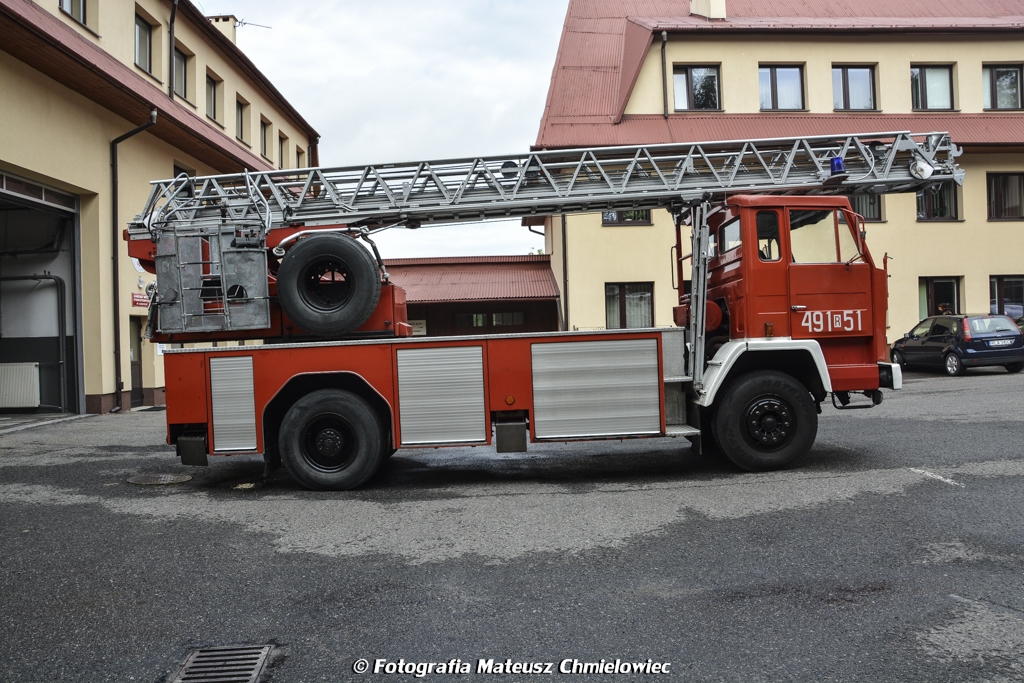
(768, 245)
(730, 236)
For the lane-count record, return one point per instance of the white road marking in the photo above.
(932, 475)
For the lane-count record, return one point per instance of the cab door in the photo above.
(830, 293)
(767, 274)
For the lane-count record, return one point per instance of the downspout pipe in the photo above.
(170, 53)
(664, 72)
(565, 275)
(116, 248)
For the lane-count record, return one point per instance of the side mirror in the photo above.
(906, 335)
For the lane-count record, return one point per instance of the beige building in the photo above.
(657, 71)
(76, 76)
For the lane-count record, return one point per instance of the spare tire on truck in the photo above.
(328, 284)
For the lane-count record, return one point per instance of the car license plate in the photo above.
(1001, 342)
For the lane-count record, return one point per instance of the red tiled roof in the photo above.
(604, 44)
(474, 278)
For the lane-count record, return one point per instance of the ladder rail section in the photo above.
(546, 182)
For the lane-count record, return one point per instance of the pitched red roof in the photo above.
(604, 44)
(474, 278)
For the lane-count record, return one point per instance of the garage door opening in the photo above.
(39, 341)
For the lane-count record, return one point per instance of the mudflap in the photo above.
(192, 450)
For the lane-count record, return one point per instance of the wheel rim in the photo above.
(952, 364)
(769, 423)
(325, 284)
(328, 443)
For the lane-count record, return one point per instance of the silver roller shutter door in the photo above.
(596, 388)
(234, 404)
(441, 395)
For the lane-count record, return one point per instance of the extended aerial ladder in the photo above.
(785, 295)
(209, 238)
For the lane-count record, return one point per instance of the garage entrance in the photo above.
(40, 346)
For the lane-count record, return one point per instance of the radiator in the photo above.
(19, 385)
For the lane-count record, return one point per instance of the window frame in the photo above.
(282, 147)
(926, 193)
(620, 222)
(141, 21)
(182, 83)
(68, 6)
(990, 185)
(687, 70)
(999, 281)
(772, 68)
(923, 82)
(931, 305)
(881, 207)
(241, 113)
(211, 97)
(264, 135)
(845, 69)
(993, 95)
(622, 304)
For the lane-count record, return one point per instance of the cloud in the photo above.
(398, 80)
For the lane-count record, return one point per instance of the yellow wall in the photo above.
(114, 31)
(57, 137)
(739, 57)
(973, 248)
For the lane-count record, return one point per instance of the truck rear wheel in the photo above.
(765, 420)
(328, 284)
(331, 440)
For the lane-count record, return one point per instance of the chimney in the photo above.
(712, 9)
(225, 23)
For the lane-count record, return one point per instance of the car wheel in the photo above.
(899, 359)
(328, 284)
(1014, 368)
(765, 420)
(331, 440)
(953, 365)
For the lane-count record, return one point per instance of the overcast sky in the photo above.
(404, 80)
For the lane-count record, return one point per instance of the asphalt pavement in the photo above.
(893, 552)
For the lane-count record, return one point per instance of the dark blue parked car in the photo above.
(957, 342)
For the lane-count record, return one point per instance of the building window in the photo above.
(867, 205)
(1006, 196)
(282, 147)
(931, 87)
(853, 88)
(629, 305)
(939, 296)
(507, 319)
(631, 217)
(241, 120)
(143, 44)
(937, 203)
(696, 87)
(264, 138)
(782, 87)
(1006, 295)
(180, 74)
(300, 158)
(76, 8)
(211, 98)
(471, 320)
(1001, 87)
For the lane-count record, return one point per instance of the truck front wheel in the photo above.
(330, 440)
(765, 420)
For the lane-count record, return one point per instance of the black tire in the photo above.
(1014, 368)
(331, 440)
(328, 284)
(899, 359)
(765, 420)
(953, 366)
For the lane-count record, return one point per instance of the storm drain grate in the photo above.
(229, 664)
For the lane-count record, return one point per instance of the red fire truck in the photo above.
(786, 305)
